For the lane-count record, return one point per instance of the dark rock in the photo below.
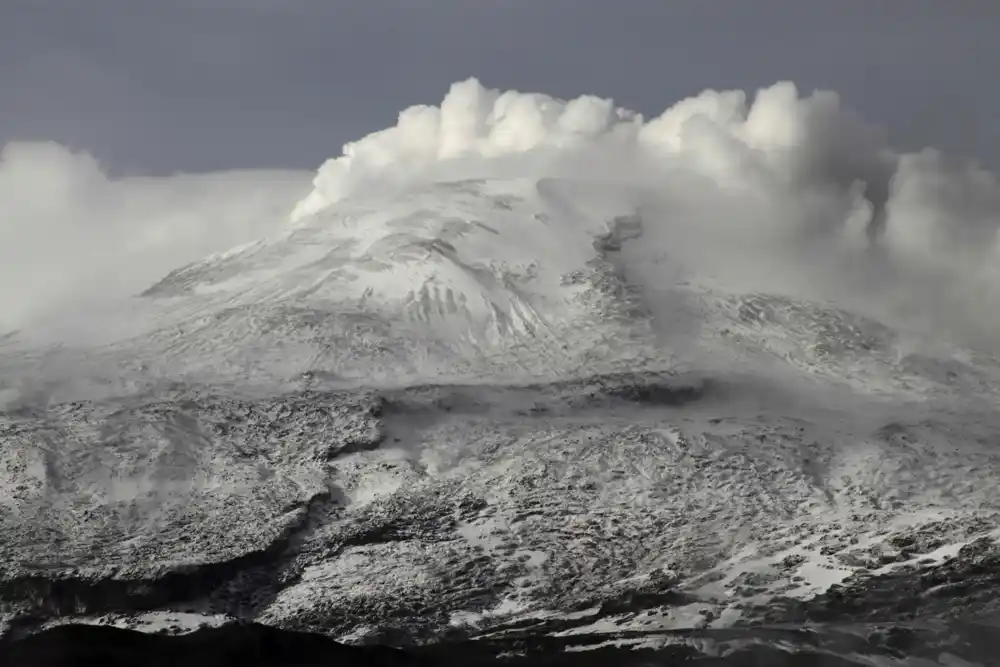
(254, 645)
(249, 645)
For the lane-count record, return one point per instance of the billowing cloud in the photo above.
(781, 191)
(778, 191)
(782, 139)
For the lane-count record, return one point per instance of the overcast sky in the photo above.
(156, 86)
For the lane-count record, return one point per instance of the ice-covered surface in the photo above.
(497, 408)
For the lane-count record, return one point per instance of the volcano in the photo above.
(513, 419)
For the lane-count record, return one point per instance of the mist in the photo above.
(74, 241)
(777, 190)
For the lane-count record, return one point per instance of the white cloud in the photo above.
(780, 191)
(776, 191)
(73, 239)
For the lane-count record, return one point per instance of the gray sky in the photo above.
(155, 86)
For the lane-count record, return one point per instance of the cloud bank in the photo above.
(74, 240)
(776, 191)
(780, 191)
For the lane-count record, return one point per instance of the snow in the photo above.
(173, 622)
(610, 347)
(505, 609)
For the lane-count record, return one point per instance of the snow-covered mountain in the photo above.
(510, 409)
(486, 280)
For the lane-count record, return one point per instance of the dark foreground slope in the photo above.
(254, 645)
(243, 645)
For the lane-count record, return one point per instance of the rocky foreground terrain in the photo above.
(647, 514)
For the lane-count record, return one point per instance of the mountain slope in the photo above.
(478, 409)
(496, 279)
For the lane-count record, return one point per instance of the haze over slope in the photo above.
(502, 224)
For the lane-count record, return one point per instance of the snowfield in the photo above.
(508, 408)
